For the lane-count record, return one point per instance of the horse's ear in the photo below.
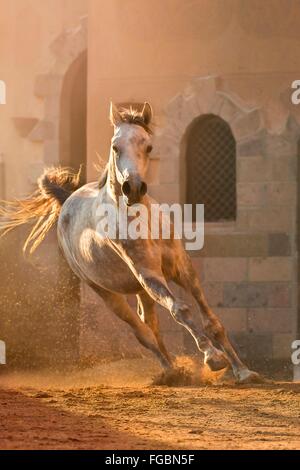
(147, 113)
(114, 114)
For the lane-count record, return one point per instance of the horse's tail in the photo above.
(55, 185)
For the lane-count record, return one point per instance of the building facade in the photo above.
(219, 80)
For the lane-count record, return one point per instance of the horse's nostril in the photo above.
(143, 189)
(126, 188)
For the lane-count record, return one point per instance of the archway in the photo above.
(72, 153)
(43, 324)
(73, 116)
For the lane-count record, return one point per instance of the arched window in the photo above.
(211, 168)
(73, 116)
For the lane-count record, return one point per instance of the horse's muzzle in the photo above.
(134, 190)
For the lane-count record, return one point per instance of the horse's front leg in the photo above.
(145, 262)
(119, 305)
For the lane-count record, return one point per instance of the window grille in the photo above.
(211, 168)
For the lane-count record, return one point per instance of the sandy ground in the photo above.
(115, 407)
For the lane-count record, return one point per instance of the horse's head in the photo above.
(130, 149)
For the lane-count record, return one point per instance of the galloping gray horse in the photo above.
(114, 267)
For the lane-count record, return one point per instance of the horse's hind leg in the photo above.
(148, 313)
(119, 305)
(187, 278)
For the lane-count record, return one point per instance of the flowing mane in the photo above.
(103, 177)
(132, 116)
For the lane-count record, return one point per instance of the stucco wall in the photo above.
(39, 308)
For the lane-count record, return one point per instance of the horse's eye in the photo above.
(149, 149)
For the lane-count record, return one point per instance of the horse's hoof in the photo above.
(216, 361)
(249, 377)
